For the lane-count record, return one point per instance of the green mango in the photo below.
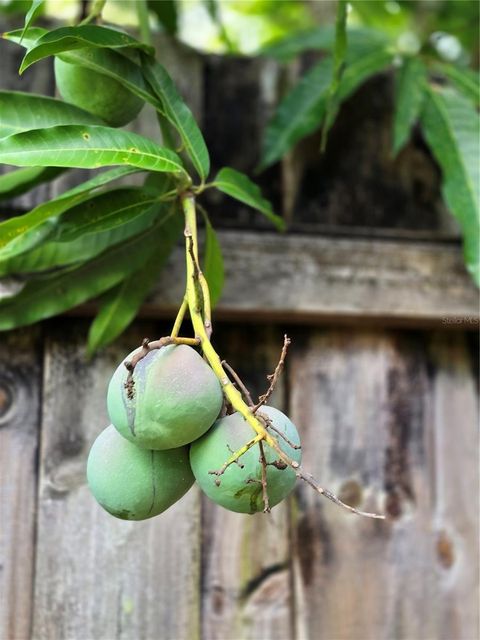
(96, 93)
(240, 488)
(132, 483)
(176, 398)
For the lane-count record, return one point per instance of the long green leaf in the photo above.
(80, 37)
(451, 127)
(302, 110)
(21, 233)
(25, 38)
(167, 14)
(35, 9)
(121, 304)
(104, 61)
(339, 56)
(213, 268)
(239, 186)
(465, 80)
(87, 229)
(86, 147)
(411, 82)
(177, 112)
(14, 183)
(41, 299)
(24, 111)
(53, 255)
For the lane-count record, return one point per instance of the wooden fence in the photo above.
(381, 380)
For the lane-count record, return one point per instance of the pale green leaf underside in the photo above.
(121, 304)
(44, 298)
(239, 186)
(24, 111)
(32, 13)
(465, 80)
(410, 92)
(86, 147)
(452, 129)
(22, 233)
(80, 37)
(180, 116)
(19, 181)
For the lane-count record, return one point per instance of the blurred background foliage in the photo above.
(447, 28)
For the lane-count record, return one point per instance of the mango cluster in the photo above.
(166, 433)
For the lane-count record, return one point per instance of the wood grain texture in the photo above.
(388, 422)
(96, 576)
(20, 390)
(245, 559)
(307, 279)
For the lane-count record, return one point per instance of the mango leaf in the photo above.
(339, 55)
(213, 268)
(120, 305)
(410, 91)
(302, 110)
(44, 298)
(24, 111)
(451, 127)
(465, 80)
(22, 233)
(35, 9)
(86, 147)
(80, 37)
(180, 116)
(87, 229)
(167, 14)
(25, 38)
(53, 255)
(238, 186)
(14, 183)
(360, 42)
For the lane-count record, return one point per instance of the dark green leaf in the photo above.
(466, 81)
(213, 268)
(177, 112)
(239, 186)
(14, 183)
(451, 127)
(44, 298)
(302, 110)
(86, 147)
(22, 233)
(80, 37)
(410, 92)
(166, 12)
(24, 111)
(35, 9)
(120, 305)
(339, 55)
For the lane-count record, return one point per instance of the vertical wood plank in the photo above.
(96, 576)
(20, 388)
(245, 559)
(372, 409)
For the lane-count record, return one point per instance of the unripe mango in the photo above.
(240, 488)
(96, 93)
(132, 483)
(176, 398)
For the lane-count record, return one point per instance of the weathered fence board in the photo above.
(20, 391)
(388, 425)
(98, 577)
(245, 559)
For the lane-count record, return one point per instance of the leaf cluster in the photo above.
(101, 238)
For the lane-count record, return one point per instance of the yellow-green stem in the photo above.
(179, 318)
(231, 393)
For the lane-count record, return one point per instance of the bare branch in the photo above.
(263, 460)
(234, 458)
(269, 425)
(273, 378)
(238, 381)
